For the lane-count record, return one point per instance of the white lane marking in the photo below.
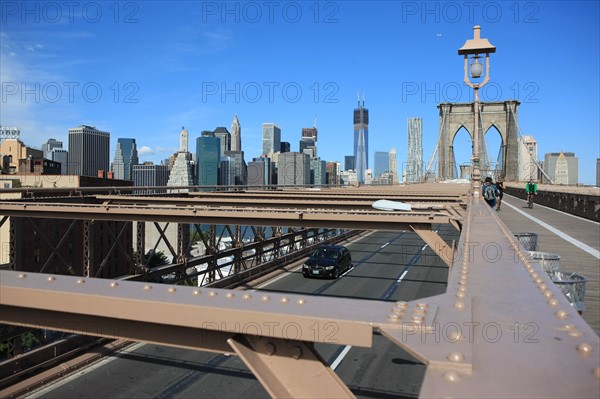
(385, 245)
(566, 237)
(402, 276)
(282, 275)
(341, 357)
(557, 211)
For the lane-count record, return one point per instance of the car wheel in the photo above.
(336, 273)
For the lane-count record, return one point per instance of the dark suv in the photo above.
(327, 261)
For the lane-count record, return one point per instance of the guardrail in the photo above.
(583, 205)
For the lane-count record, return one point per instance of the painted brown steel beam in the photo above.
(435, 242)
(304, 318)
(374, 220)
(289, 369)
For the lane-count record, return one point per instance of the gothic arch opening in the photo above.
(461, 153)
(493, 159)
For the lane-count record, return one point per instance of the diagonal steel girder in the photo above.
(435, 242)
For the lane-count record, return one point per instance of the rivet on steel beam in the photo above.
(393, 317)
(284, 299)
(553, 302)
(196, 292)
(455, 336)
(548, 294)
(172, 290)
(265, 298)
(296, 352)
(561, 314)
(461, 294)
(456, 357)
(246, 296)
(51, 278)
(543, 287)
(459, 305)
(270, 349)
(585, 349)
(80, 281)
(229, 295)
(538, 280)
(212, 294)
(114, 284)
(398, 311)
(301, 301)
(418, 319)
(22, 275)
(147, 287)
(451, 376)
(574, 333)
(423, 305)
(402, 304)
(462, 288)
(534, 275)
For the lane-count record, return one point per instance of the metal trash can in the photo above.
(549, 262)
(573, 286)
(528, 240)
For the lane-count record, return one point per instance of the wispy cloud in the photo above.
(145, 150)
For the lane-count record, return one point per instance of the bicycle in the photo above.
(530, 201)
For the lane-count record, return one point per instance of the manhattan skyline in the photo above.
(142, 70)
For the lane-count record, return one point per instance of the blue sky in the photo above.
(144, 69)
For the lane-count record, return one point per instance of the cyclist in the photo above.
(531, 190)
(500, 186)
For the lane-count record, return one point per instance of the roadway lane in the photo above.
(388, 266)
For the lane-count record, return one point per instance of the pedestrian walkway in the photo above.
(576, 240)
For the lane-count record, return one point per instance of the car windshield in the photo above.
(325, 253)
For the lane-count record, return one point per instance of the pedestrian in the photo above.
(501, 187)
(489, 192)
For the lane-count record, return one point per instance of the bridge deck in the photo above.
(573, 258)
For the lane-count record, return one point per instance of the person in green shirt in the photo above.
(531, 190)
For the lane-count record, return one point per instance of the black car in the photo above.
(327, 261)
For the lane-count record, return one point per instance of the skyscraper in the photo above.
(393, 166)
(349, 162)
(53, 150)
(293, 169)
(361, 140)
(562, 167)
(308, 141)
(149, 175)
(333, 173)
(223, 134)
(261, 172)
(182, 173)
(236, 135)
(125, 157)
(208, 158)
(414, 158)
(49, 145)
(527, 155)
(318, 172)
(238, 167)
(271, 138)
(382, 163)
(89, 151)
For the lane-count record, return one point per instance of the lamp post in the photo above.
(472, 50)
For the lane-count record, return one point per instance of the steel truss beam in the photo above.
(435, 242)
(358, 220)
(487, 336)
